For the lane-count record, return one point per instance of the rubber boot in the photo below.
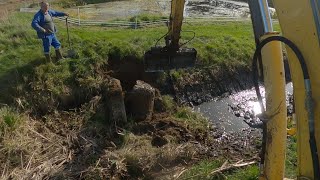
(48, 57)
(59, 55)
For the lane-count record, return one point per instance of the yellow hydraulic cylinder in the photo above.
(299, 22)
(276, 110)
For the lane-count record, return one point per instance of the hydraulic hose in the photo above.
(194, 35)
(308, 103)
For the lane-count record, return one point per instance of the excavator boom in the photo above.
(300, 26)
(172, 56)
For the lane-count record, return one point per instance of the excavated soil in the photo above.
(97, 152)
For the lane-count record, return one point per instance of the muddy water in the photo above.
(234, 112)
(218, 112)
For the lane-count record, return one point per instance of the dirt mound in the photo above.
(149, 148)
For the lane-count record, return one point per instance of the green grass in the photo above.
(291, 157)
(22, 62)
(192, 119)
(169, 102)
(203, 171)
(248, 173)
(72, 3)
(18, 43)
(219, 43)
(216, 43)
(9, 120)
(147, 17)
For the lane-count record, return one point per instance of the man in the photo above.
(46, 30)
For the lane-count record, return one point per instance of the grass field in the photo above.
(22, 61)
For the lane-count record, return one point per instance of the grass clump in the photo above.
(168, 102)
(52, 78)
(191, 119)
(140, 159)
(68, 84)
(9, 120)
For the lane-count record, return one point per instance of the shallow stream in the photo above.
(234, 112)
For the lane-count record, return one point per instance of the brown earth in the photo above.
(80, 143)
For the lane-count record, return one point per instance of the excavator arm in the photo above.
(176, 18)
(300, 27)
(172, 55)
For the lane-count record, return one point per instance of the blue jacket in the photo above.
(39, 21)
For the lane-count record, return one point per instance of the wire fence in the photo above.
(138, 23)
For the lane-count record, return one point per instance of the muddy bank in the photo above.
(196, 86)
(188, 87)
(204, 85)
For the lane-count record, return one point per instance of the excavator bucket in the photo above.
(159, 59)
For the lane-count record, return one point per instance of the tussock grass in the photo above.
(140, 159)
(192, 119)
(10, 120)
(169, 103)
(28, 149)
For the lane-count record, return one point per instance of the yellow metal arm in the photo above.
(299, 21)
(172, 56)
(176, 17)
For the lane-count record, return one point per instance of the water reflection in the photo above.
(217, 111)
(256, 108)
(234, 112)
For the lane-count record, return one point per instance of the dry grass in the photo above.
(138, 158)
(67, 145)
(43, 148)
(30, 150)
(4, 15)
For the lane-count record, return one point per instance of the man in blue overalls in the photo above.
(46, 30)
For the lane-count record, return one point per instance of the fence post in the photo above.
(135, 27)
(78, 16)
